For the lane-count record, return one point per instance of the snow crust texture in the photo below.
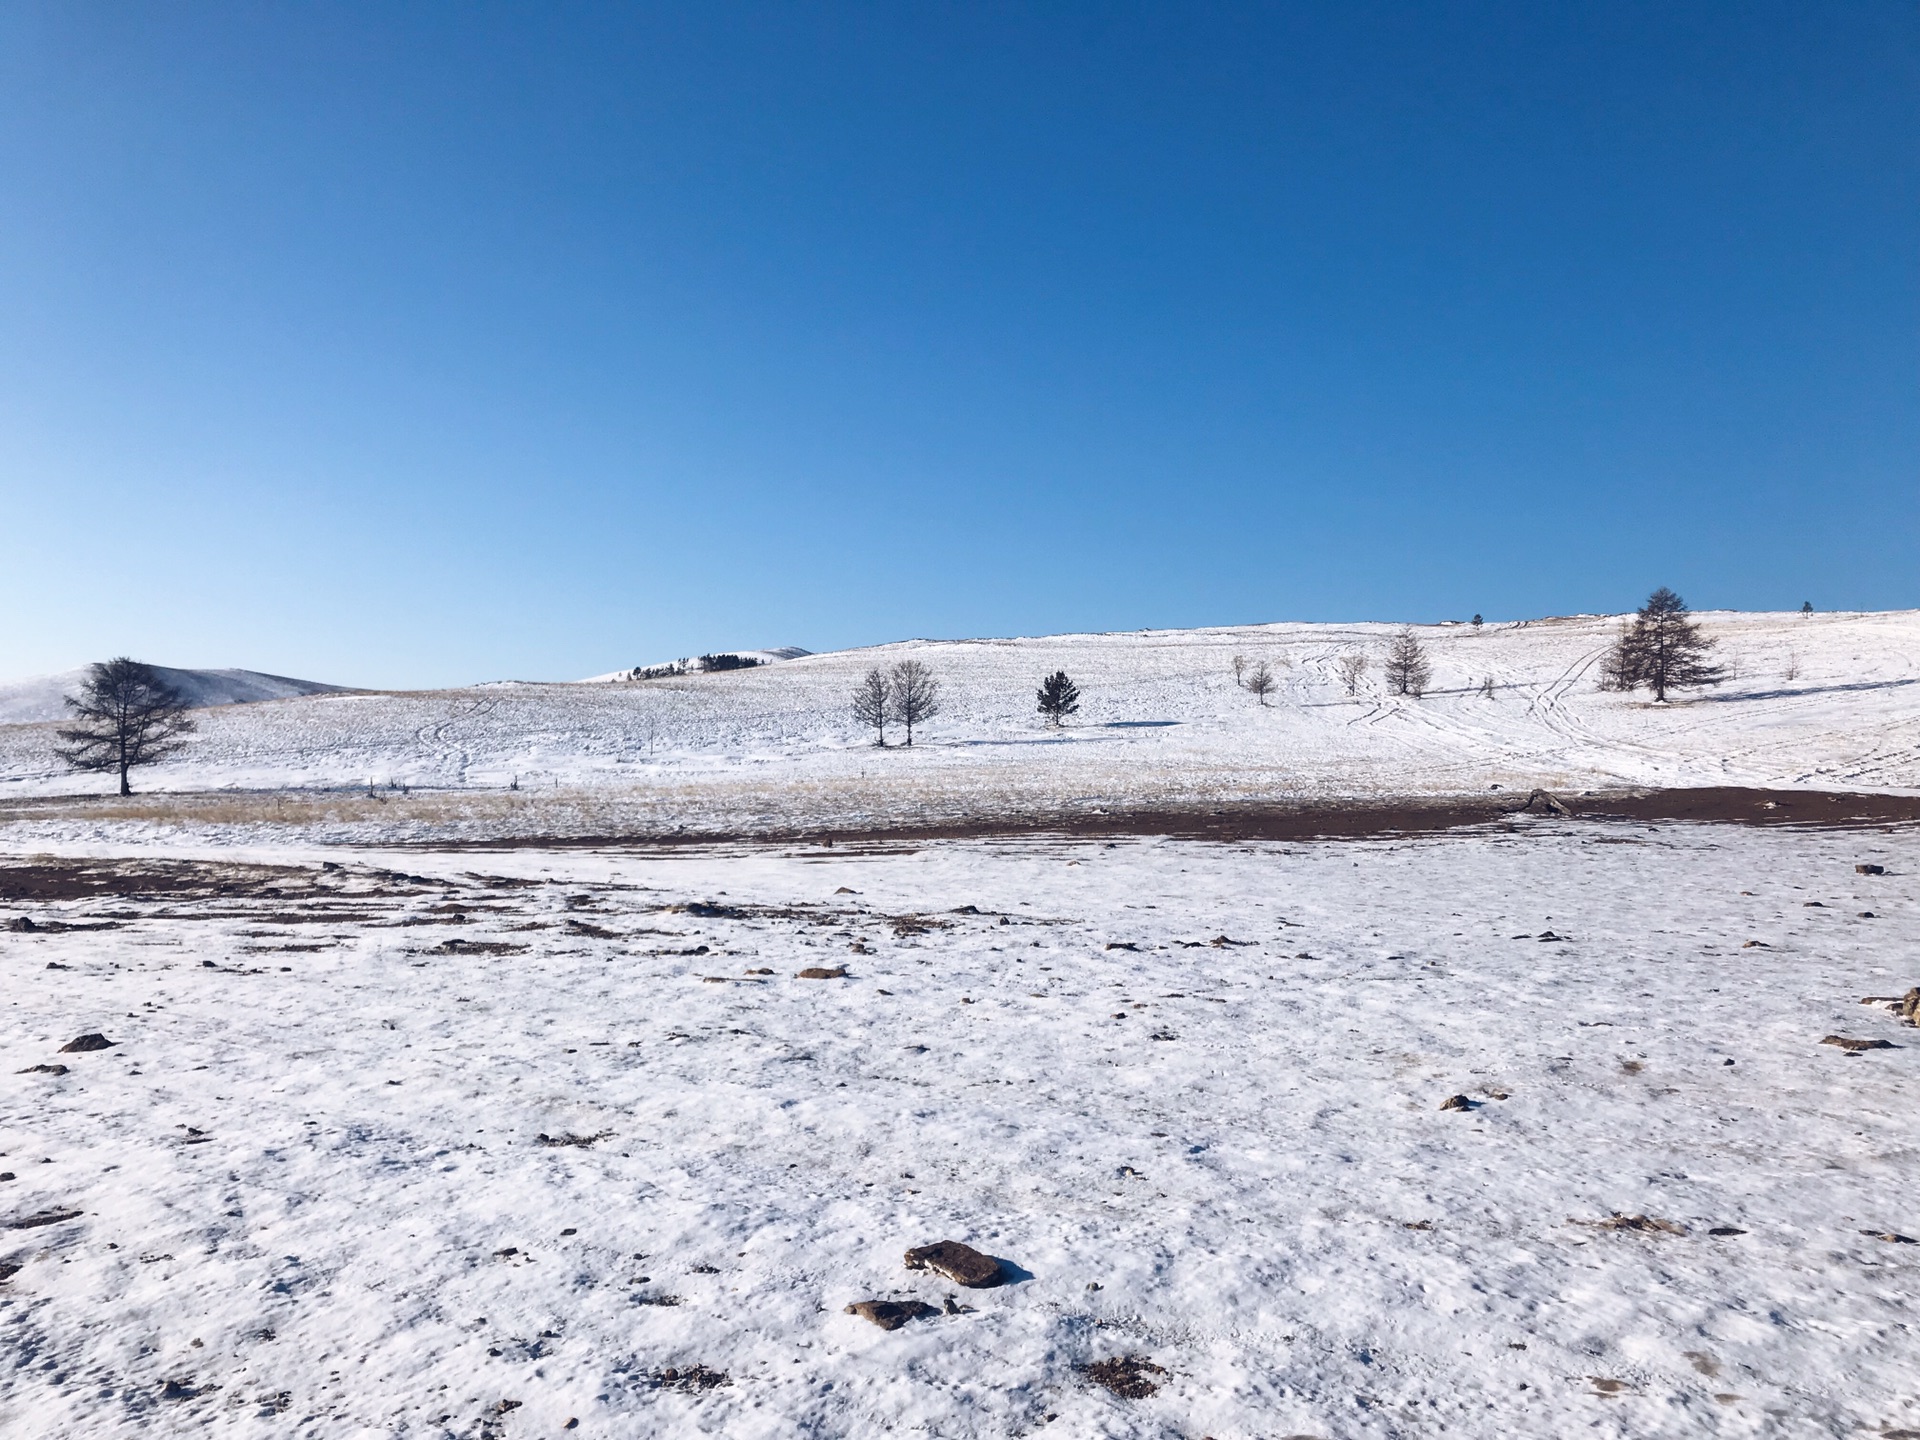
(455, 1145)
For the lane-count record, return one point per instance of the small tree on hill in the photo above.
(1806, 607)
(1408, 672)
(1351, 667)
(1477, 622)
(916, 695)
(125, 715)
(1059, 698)
(1240, 671)
(1661, 649)
(1261, 682)
(871, 704)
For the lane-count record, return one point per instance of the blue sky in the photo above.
(410, 344)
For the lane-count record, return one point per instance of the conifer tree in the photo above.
(916, 694)
(872, 704)
(1661, 649)
(1408, 672)
(1059, 698)
(126, 715)
(1261, 682)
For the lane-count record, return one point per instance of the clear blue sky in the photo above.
(422, 343)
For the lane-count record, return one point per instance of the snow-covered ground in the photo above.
(1827, 701)
(1190, 1093)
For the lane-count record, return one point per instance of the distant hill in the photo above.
(691, 664)
(41, 697)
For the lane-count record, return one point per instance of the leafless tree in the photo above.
(1408, 672)
(125, 715)
(1240, 671)
(872, 704)
(1352, 666)
(1793, 668)
(916, 695)
(1661, 649)
(1486, 688)
(1260, 681)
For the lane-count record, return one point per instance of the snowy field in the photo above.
(1827, 701)
(503, 1144)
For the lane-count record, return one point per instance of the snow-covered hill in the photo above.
(1827, 701)
(42, 697)
(696, 664)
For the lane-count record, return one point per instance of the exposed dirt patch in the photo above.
(1125, 1375)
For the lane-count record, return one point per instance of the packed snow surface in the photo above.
(445, 1144)
(43, 697)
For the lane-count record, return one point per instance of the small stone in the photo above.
(91, 1041)
(1869, 869)
(891, 1314)
(1456, 1102)
(1854, 1044)
(821, 972)
(44, 1070)
(961, 1264)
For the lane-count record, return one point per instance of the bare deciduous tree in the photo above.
(1260, 681)
(1408, 672)
(1352, 666)
(1059, 697)
(916, 695)
(1240, 671)
(1661, 649)
(1486, 688)
(125, 715)
(871, 704)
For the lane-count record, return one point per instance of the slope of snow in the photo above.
(691, 664)
(42, 697)
(1831, 701)
(346, 1172)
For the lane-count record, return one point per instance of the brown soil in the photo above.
(1328, 820)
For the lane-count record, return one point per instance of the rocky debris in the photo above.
(692, 1380)
(476, 947)
(1645, 1224)
(9, 1269)
(21, 924)
(1546, 804)
(1853, 1044)
(1892, 1237)
(185, 1390)
(592, 932)
(1725, 1231)
(890, 1314)
(43, 1217)
(44, 1070)
(1869, 869)
(760, 972)
(1456, 1102)
(90, 1041)
(1125, 1375)
(961, 1264)
(566, 1139)
(822, 972)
